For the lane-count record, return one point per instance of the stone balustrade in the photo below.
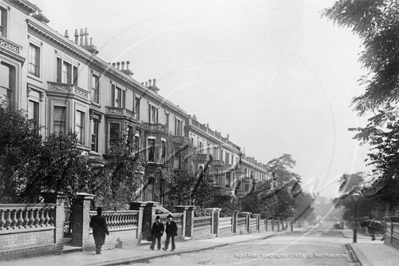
(24, 217)
(119, 220)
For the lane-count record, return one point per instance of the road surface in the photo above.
(321, 245)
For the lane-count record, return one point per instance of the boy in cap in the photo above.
(171, 232)
(156, 233)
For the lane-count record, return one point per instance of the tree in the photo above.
(20, 148)
(186, 187)
(286, 199)
(376, 22)
(116, 179)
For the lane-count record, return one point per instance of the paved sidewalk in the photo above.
(136, 254)
(371, 253)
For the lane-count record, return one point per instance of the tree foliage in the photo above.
(376, 22)
(285, 198)
(187, 187)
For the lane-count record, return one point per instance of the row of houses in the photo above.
(64, 85)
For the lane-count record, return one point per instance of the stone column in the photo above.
(188, 220)
(81, 219)
(147, 217)
(257, 216)
(247, 217)
(59, 218)
(139, 206)
(215, 212)
(235, 217)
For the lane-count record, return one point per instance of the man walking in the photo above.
(156, 233)
(171, 232)
(99, 225)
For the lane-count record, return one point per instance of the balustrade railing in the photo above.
(22, 216)
(241, 221)
(253, 221)
(68, 88)
(202, 221)
(119, 220)
(225, 222)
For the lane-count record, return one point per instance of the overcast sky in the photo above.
(274, 75)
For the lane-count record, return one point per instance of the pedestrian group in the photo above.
(100, 229)
(157, 232)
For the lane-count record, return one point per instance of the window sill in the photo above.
(91, 152)
(95, 104)
(31, 76)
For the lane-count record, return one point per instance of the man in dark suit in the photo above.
(156, 233)
(171, 232)
(99, 225)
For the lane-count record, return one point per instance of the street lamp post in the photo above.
(356, 197)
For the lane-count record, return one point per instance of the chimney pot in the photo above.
(113, 64)
(149, 82)
(66, 34)
(91, 41)
(154, 81)
(146, 83)
(127, 65)
(123, 65)
(117, 65)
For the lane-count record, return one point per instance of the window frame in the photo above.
(151, 149)
(37, 60)
(178, 127)
(72, 75)
(12, 79)
(35, 119)
(153, 114)
(137, 107)
(4, 21)
(80, 123)
(118, 96)
(56, 123)
(111, 139)
(95, 86)
(94, 133)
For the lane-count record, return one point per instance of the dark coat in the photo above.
(171, 228)
(157, 229)
(99, 229)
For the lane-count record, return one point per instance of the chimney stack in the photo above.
(81, 37)
(86, 39)
(76, 36)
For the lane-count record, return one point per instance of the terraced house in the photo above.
(65, 85)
